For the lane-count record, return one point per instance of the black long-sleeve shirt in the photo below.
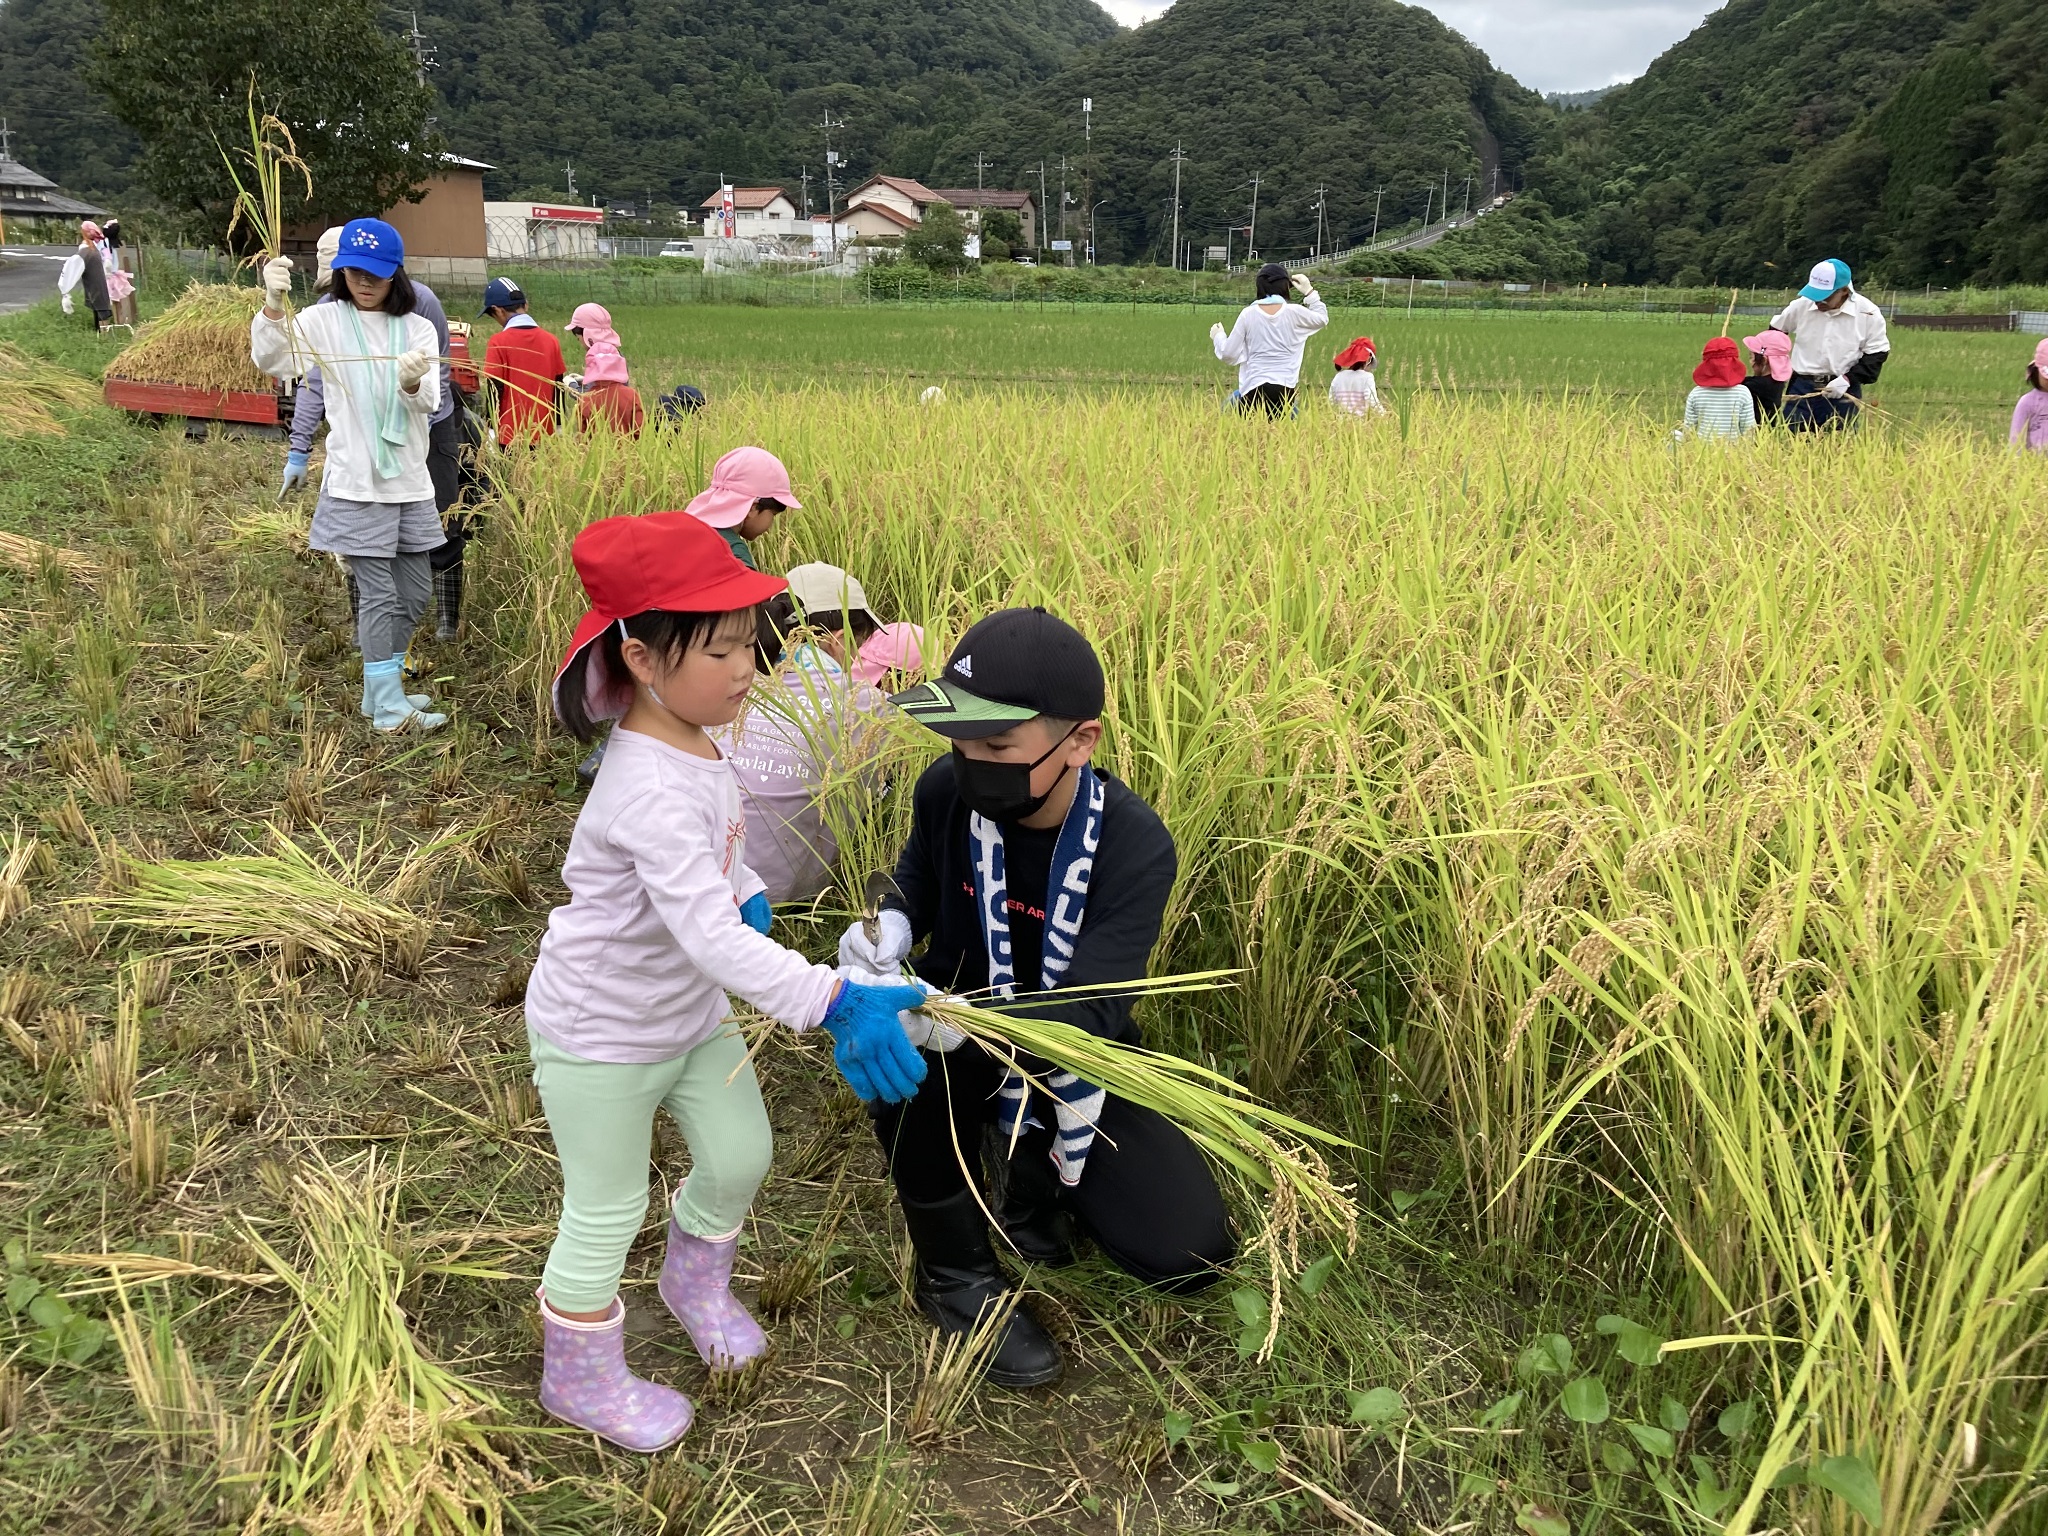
(1133, 876)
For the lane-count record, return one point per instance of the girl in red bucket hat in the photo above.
(1354, 390)
(1719, 407)
(627, 1010)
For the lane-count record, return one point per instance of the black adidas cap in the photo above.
(1016, 664)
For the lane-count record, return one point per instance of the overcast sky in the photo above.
(1548, 45)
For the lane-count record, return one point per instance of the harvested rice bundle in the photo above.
(201, 341)
(31, 390)
(346, 908)
(1273, 1151)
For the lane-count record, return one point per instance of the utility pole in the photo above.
(422, 50)
(1251, 231)
(1063, 199)
(1496, 183)
(981, 163)
(1088, 169)
(1445, 205)
(1427, 198)
(1322, 197)
(1468, 195)
(804, 175)
(1377, 194)
(1041, 208)
(569, 170)
(831, 159)
(1178, 157)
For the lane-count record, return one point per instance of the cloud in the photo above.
(1548, 45)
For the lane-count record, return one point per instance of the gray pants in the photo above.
(391, 594)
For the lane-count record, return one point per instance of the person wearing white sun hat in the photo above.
(1839, 346)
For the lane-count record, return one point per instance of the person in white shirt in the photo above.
(1354, 390)
(1267, 342)
(378, 360)
(1839, 345)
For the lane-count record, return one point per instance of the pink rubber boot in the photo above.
(696, 1282)
(585, 1382)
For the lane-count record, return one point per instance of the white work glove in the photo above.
(921, 1029)
(1303, 283)
(412, 367)
(886, 955)
(277, 282)
(1217, 333)
(68, 307)
(1836, 387)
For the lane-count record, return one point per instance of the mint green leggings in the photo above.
(601, 1114)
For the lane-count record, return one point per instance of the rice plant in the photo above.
(1663, 830)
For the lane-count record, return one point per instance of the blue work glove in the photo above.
(294, 474)
(873, 1053)
(756, 914)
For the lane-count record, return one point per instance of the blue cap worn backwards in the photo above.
(502, 293)
(369, 245)
(1825, 280)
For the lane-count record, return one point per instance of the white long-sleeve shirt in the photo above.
(326, 335)
(1827, 343)
(637, 966)
(1267, 342)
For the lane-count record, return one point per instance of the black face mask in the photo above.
(1002, 791)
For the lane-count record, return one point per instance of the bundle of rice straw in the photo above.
(31, 392)
(201, 341)
(1296, 1196)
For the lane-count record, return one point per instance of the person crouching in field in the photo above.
(1719, 407)
(627, 1011)
(1770, 367)
(1028, 870)
(816, 721)
(2030, 416)
(379, 362)
(1267, 342)
(1354, 390)
(749, 489)
(609, 399)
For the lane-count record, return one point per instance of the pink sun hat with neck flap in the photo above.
(892, 648)
(1775, 347)
(738, 480)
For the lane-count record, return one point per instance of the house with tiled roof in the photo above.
(758, 213)
(25, 194)
(973, 202)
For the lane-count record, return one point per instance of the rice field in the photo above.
(1635, 852)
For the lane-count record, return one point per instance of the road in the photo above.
(28, 274)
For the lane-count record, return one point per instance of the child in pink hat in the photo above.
(2030, 416)
(749, 489)
(608, 395)
(1770, 369)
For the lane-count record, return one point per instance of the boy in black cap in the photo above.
(1028, 869)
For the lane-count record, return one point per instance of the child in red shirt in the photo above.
(522, 367)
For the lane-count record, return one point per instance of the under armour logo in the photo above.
(964, 666)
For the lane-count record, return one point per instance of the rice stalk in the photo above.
(345, 908)
(25, 852)
(271, 158)
(950, 1380)
(25, 553)
(181, 1405)
(142, 1148)
(32, 393)
(114, 1063)
(373, 1435)
(201, 340)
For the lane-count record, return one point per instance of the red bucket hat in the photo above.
(1720, 365)
(665, 560)
(1360, 351)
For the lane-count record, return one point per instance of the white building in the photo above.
(758, 213)
(541, 232)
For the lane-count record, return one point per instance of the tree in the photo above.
(1001, 224)
(178, 73)
(939, 242)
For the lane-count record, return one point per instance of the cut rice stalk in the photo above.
(377, 1436)
(201, 341)
(1273, 1151)
(344, 908)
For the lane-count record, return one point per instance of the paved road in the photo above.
(28, 274)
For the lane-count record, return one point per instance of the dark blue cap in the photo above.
(502, 293)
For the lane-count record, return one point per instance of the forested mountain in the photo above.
(1346, 96)
(643, 97)
(1906, 136)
